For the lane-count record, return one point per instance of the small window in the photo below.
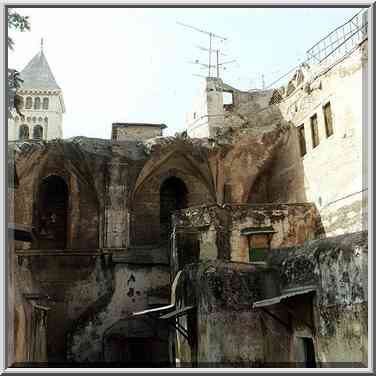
(315, 131)
(38, 132)
(328, 120)
(302, 141)
(45, 103)
(20, 102)
(24, 132)
(34, 119)
(29, 103)
(259, 248)
(46, 119)
(228, 100)
(194, 115)
(37, 103)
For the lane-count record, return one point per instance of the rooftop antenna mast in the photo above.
(211, 37)
(218, 53)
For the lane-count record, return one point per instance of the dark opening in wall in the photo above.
(328, 120)
(315, 131)
(137, 343)
(302, 141)
(305, 352)
(52, 213)
(173, 196)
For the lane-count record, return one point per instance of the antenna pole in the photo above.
(210, 51)
(211, 36)
(217, 64)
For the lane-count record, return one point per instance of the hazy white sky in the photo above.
(132, 65)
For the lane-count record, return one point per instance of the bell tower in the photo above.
(42, 104)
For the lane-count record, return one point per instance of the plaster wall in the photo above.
(334, 171)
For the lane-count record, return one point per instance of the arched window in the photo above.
(24, 132)
(38, 132)
(45, 103)
(34, 119)
(37, 103)
(29, 103)
(21, 102)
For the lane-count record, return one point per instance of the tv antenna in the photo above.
(210, 50)
(218, 54)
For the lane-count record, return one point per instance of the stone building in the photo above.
(213, 248)
(42, 105)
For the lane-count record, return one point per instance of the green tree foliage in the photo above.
(18, 23)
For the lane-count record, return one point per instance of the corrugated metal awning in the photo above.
(154, 310)
(177, 313)
(278, 299)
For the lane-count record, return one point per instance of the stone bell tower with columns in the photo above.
(42, 104)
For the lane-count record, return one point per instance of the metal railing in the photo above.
(337, 44)
(340, 41)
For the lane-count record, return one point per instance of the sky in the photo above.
(138, 64)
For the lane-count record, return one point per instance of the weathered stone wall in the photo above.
(83, 171)
(338, 267)
(169, 158)
(136, 286)
(229, 332)
(135, 133)
(233, 333)
(219, 227)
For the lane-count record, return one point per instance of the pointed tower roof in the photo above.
(37, 74)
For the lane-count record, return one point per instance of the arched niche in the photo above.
(52, 213)
(173, 195)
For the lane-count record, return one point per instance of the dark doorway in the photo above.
(173, 196)
(136, 352)
(305, 352)
(53, 213)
